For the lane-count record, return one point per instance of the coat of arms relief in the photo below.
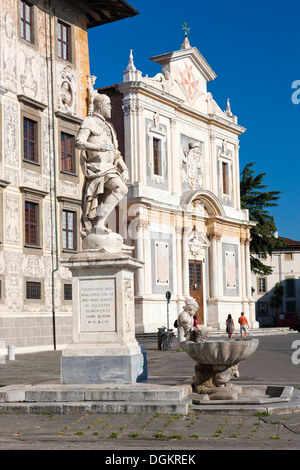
(192, 168)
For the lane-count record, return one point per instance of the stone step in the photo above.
(222, 332)
(124, 398)
(101, 407)
(257, 331)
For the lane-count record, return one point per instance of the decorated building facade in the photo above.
(44, 75)
(182, 213)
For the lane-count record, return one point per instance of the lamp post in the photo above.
(168, 297)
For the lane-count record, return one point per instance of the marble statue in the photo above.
(105, 175)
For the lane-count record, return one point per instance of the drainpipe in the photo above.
(53, 198)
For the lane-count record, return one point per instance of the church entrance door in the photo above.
(196, 287)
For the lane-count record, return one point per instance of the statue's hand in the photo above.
(125, 176)
(106, 147)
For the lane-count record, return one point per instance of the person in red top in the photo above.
(243, 325)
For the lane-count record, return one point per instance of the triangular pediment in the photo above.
(184, 75)
(187, 71)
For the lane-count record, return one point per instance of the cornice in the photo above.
(178, 105)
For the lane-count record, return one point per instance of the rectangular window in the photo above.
(33, 290)
(67, 153)
(291, 306)
(262, 309)
(289, 256)
(262, 285)
(225, 178)
(31, 223)
(69, 230)
(290, 290)
(26, 18)
(195, 274)
(30, 140)
(64, 40)
(67, 291)
(156, 157)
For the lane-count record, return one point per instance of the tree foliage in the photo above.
(276, 299)
(257, 200)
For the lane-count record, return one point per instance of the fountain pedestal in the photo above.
(211, 380)
(216, 363)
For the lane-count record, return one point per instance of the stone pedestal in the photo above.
(104, 348)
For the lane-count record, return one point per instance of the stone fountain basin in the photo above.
(220, 351)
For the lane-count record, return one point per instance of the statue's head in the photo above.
(191, 306)
(102, 105)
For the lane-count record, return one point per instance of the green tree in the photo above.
(257, 200)
(276, 299)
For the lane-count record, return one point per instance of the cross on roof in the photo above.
(186, 30)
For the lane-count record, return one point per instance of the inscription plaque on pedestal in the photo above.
(97, 299)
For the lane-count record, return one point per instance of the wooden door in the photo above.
(196, 287)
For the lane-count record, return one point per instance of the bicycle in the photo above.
(166, 339)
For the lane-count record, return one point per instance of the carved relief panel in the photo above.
(13, 281)
(9, 43)
(192, 160)
(12, 229)
(11, 133)
(66, 89)
(28, 64)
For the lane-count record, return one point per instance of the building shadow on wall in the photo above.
(265, 311)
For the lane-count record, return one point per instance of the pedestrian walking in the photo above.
(243, 325)
(230, 326)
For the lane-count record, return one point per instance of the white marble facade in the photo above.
(183, 206)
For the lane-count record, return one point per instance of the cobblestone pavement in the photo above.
(126, 432)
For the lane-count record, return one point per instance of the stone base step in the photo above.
(97, 407)
(113, 398)
(222, 332)
(257, 331)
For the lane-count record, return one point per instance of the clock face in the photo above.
(189, 83)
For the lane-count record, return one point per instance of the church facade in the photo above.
(182, 213)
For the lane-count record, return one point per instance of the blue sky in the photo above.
(253, 47)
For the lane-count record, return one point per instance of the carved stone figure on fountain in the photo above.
(105, 174)
(185, 322)
(212, 381)
(185, 319)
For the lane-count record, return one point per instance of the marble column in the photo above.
(214, 272)
(185, 262)
(248, 268)
(140, 255)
